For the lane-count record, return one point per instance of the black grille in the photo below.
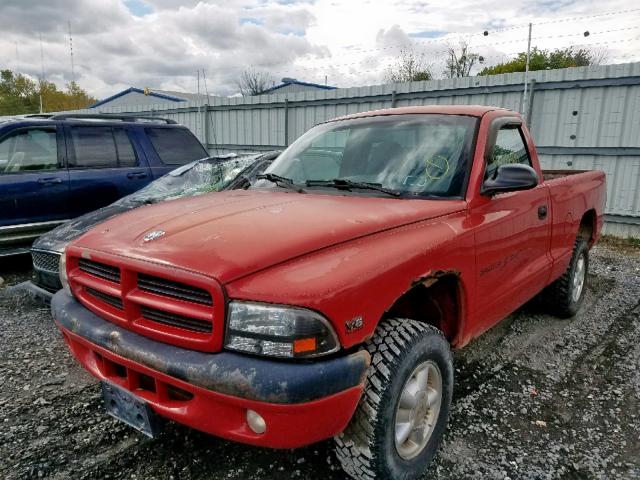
(46, 261)
(175, 320)
(105, 297)
(100, 270)
(173, 289)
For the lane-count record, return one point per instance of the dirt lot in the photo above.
(536, 397)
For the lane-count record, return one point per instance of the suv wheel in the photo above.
(403, 412)
(564, 296)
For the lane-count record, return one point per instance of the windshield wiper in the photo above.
(282, 182)
(345, 184)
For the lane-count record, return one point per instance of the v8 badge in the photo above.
(354, 324)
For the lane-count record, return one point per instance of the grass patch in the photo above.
(621, 242)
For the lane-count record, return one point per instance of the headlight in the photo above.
(62, 272)
(279, 331)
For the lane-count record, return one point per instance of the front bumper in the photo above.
(34, 290)
(301, 402)
(48, 281)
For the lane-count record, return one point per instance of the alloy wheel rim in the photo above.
(578, 279)
(418, 409)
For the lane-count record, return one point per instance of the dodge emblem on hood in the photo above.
(153, 235)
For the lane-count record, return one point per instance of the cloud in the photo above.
(162, 43)
(394, 36)
(154, 43)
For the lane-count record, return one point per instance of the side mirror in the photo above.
(510, 178)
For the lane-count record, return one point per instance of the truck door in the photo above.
(103, 166)
(34, 183)
(512, 237)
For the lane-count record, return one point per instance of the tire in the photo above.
(401, 350)
(561, 298)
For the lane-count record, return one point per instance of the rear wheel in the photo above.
(564, 296)
(398, 425)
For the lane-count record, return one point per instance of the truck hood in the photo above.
(57, 239)
(228, 235)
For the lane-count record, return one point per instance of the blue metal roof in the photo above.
(297, 82)
(137, 90)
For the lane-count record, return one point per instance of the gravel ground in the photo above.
(536, 398)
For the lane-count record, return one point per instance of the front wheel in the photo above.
(399, 422)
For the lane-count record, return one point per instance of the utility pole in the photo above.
(200, 102)
(42, 72)
(17, 59)
(523, 108)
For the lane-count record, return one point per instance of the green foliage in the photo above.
(460, 61)
(19, 95)
(410, 67)
(545, 60)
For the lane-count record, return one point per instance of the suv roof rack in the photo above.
(105, 116)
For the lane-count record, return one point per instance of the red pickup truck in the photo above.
(324, 300)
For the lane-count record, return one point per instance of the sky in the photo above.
(162, 44)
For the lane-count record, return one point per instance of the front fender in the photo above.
(361, 279)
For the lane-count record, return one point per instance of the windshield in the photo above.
(414, 155)
(195, 178)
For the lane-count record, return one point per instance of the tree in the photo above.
(254, 82)
(78, 96)
(548, 60)
(19, 95)
(409, 67)
(460, 61)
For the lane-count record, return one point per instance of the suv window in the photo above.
(176, 146)
(126, 153)
(28, 150)
(93, 147)
(509, 148)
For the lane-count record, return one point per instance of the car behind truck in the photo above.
(325, 300)
(54, 167)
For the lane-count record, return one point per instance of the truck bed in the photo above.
(555, 174)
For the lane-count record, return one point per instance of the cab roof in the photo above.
(469, 110)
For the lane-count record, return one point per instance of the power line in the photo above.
(419, 44)
(500, 57)
(444, 51)
(453, 35)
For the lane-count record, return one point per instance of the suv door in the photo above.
(103, 166)
(512, 240)
(34, 184)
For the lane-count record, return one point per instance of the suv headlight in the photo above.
(62, 273)
(279, 331)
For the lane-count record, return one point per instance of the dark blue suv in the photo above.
(57, 167)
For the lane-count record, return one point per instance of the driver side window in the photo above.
(29, 149)
(509, 148)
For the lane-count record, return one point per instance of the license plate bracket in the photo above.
(130, 409)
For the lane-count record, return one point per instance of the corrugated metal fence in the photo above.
(581, 118)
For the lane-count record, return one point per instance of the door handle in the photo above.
(542, 212)
(136, 175)
(49, 180)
